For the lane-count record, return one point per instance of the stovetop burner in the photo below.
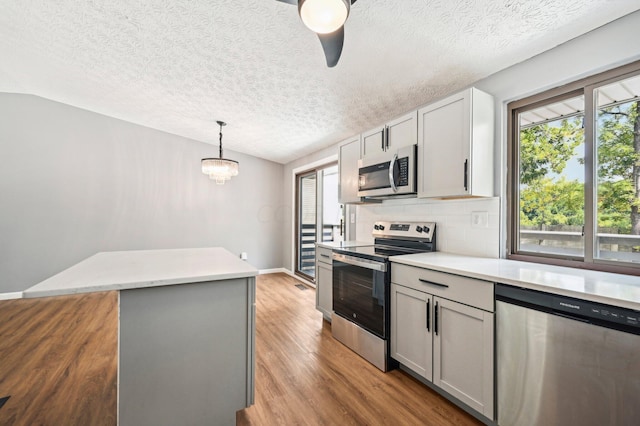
(394, 239)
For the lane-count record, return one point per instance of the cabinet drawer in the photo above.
(323, 255)
(460, 289)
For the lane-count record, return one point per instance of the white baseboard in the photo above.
(288, 272)
(10, 296)
(274, 271)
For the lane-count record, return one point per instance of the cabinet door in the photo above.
(411, 325)
(348, 156)
(443, 147)
(403, 131)
(463, 353)
(324, 289)
(373, 142)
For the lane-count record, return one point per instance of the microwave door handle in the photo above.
(392, 166)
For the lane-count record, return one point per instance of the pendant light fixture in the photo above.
(220, 169)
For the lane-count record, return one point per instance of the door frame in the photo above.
(297, 224)
(327, 161)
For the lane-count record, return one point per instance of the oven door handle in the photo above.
(358, 261)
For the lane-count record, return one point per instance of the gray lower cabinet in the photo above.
(186, 353)
(463, 354)
(324, 282)
(411, 336)
(448, 343)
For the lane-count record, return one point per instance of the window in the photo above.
(574, 174)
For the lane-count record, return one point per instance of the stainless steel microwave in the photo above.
(388, 174)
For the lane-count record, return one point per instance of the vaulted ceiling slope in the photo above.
(179, 65)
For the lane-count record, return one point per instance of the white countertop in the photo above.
(123, 270)
(343, 244)
(614, 289)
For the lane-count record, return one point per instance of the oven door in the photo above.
(360, 292)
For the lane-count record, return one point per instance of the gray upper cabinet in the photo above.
(373, 142)
(402, 131)
(348, 156)
(455, 146)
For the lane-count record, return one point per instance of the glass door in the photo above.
(307, 214)
(319, 215)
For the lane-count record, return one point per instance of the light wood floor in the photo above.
(58, 360)
(305, 377)
(58, 363)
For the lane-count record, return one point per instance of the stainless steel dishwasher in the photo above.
(565, 361)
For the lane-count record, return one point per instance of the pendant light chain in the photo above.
(221, 123)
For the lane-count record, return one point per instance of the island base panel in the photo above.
(184, 352)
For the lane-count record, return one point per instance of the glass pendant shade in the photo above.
(220, 169)
(324, 16)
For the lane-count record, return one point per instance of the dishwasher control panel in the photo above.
(593, 312)
(597, 310)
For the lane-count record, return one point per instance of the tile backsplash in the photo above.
(455, 227)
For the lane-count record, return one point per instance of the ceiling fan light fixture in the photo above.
(220, 169)
(324, 16)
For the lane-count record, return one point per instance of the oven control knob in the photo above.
(381, 227)
(418, 228)
(426, 229)
(376, 227)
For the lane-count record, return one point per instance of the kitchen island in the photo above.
(186, 331)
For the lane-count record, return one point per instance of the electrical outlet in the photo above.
(243, 255)
(353, 218)
(479, 219)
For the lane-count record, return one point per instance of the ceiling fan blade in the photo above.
(332, 46)
(294, 2)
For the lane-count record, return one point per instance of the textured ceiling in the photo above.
(179, 65)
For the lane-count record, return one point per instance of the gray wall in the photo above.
(599, 50)
(74, 183)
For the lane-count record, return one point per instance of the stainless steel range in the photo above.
(361, 287)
